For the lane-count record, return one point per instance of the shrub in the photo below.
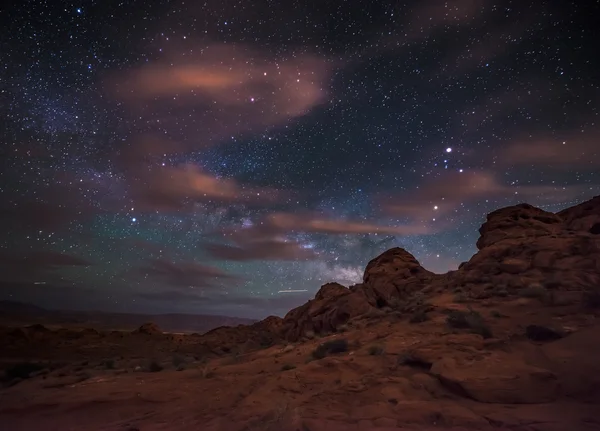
(287, 367)
(460, 298)
(178, 361)
(410, 359)
(536, 292)
(154, 367)
(309, 334)
(376, 350)
(342, 328)
(109, 364)
(496, 314)
(419, 316)
(471, 320)
(332, 346)
(591, 299)
(22, 370)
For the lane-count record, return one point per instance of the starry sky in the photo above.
(230, 157)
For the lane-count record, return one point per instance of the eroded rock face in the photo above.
(583, 217)
(523, 246)
(332, 307)
(500, 379)
(519, 222)
(148, 329)
(394, 275)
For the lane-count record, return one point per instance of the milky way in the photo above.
(229, 157)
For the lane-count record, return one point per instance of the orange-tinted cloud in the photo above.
(222, 90)
(169, 188)
(263, 249)
(447, 193)
(276, 225)
(579, 150)
(184, 274)
(286, 222)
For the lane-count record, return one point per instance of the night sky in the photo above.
(203, 157)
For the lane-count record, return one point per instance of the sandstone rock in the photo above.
(517, 222)
(394, 275)
(499, 379)
(148, 329)
(332, 307)
(583, 217)
(542, 333)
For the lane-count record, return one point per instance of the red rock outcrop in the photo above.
(393, 276)
(523, 246)
(583, 217)
(332, 307)
(148, 329)
(520, 247)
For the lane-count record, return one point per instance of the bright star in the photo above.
(133, 219)
(448, 150)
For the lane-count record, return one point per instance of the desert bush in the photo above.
(410, 359)
(109, 364)
(496, 314)
(471, 320)
(418, 316)
(309, 334)
(342, 328)
(332, 346)
(376, 350)
(460, 298)
(499, 291)
(22, 370)
(154, 366)
(534, 291)
(591, 299)
(287, 367)
(178, 361)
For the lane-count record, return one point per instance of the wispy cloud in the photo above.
(184, 274)
(453, 190)
(222, 90)
(577, 150)
(171, 188)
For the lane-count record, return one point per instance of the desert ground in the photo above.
(510, 340)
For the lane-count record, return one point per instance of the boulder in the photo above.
(501, 379)
(148, 329)
(521, 221)
(394, 275)
(332, 307)
(583, 217)
(542, 333)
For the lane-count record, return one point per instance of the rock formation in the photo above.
(148, 329)
(520, 247)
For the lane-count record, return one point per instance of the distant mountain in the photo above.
(18, 313)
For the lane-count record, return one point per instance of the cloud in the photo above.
(452, 190)
(267, 249)
(56, 214)
(222, 90)
(286, 222)
(578, 150)
(37, 265)
(432, 16)
(173, 296)
(267, 239)
(45, 259)
(185, 274)
(174, 188)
